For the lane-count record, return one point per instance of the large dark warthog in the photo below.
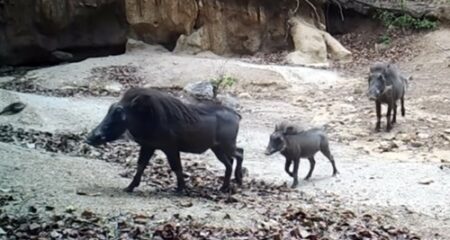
(294, 143)
(387, 85)
(159, 121)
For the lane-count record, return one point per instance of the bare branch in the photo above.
(315, 10)
(291, 14)
(340, 9)
(296, 8)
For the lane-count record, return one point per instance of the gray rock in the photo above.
(229, 101)
(201, 89)
(62, 56)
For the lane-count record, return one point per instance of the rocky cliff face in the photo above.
(235, 27)
(50, 31)
(222, 26)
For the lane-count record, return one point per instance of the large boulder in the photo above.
(314, 46)
(201, 90)
(51, 31)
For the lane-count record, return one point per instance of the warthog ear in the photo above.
(289, 130)
(277, 127)
(139, 101)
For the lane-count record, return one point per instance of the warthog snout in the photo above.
(276, 143)
(110, 128)
(95, 138)
(269, 151)
(371, 97)
(373, 93)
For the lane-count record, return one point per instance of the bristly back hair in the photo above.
(288, 128)
(159, 106)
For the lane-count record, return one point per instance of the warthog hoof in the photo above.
(294, 184)
(128, 189)
(238, 181)
(181, 191)
(308, 177)
(225, 189)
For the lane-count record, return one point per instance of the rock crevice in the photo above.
(32, 30)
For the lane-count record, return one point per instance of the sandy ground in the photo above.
(405, 181)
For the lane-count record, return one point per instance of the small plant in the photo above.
(223, 82)
(384, 39)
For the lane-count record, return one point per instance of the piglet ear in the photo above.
(277, 127)
(289, 130)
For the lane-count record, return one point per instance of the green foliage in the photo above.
(404, 21)
(223, 82)
(385, 39)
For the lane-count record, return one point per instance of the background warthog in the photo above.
(159, 121)
(387, 85)
(294, 143)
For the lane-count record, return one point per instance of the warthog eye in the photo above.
(277, 140)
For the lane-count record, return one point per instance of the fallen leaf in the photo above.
(82, 193)
(186, 204)
(426, 182)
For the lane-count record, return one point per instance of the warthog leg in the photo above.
(312, 164)
(173, 156)
(378, 109)
(295, 173)
(326, 152)
(287, 165)
(388, 117)
(144, 157)
(239, 155)
(394, 118)
(403, 105)
(220, 154)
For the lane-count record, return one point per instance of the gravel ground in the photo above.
(400, 178)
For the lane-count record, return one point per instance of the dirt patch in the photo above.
(270, 211)
(389, 176)
(379, 45)
(291, 223)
